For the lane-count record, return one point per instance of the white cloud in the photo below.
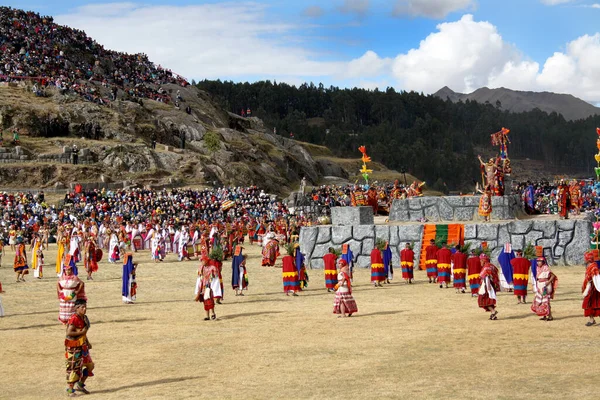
(313, 11)
(437, 9)
(214, 41)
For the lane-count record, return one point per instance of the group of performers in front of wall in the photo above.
(568, 199)
(378, 198)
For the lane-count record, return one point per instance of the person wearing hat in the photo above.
(544, 289)
(520, 276)
(564, 199)
(591, 289)
(490, 285)
(407, 262)
(77, 349)
(344, 303)
(69, 288)
(20, 264)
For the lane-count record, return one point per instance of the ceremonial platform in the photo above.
(454, 219)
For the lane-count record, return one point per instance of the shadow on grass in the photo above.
(377, 313)
(253, 314)
(149, 383)
(115, 321)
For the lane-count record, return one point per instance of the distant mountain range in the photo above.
(571, 107)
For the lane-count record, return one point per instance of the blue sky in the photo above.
(418, 45)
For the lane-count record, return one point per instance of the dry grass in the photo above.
(415, 341)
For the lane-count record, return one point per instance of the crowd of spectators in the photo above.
(26, 213)
(545, 199)
(33, 47)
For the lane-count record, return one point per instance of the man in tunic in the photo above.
(329, 264)
(459, 270)
(431, 261)
(520, 267)
(444, 258)
(591, 290)
(407, 257)
(564, 199)
(473, 271)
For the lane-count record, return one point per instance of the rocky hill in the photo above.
(569, 106)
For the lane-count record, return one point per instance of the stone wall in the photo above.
(453, 208)
(564, 241)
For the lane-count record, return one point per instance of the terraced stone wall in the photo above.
(564, 241)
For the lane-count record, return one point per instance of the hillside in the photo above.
(59, 87)
(515, 101)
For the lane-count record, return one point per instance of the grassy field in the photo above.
(414, 341)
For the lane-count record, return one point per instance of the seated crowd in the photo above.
(33, 47)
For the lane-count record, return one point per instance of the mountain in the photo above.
(571, 107)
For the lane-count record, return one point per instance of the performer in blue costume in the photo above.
(239, 281)
(388, 270)
(348, 256)
(506, 255)
(129, 288)
(300, 266)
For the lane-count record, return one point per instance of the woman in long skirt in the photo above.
(544, 288)
(591, 290)
(344, 302)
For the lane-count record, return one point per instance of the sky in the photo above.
(420, 45)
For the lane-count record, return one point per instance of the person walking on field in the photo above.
(490, 285)
(591, 290)
(407, 257)
(344, 302)
(444, 258)
(459, 270)
(520, 276)
(544, 289)
(77, 350)
(431, 261)
(331, 273)
(473, 271)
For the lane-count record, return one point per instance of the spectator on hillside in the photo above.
(75, 154)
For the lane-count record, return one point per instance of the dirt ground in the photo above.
(407, 341)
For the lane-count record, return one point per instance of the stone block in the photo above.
(415, 215)
(580, 244)
(363, 261)
(464, 213)
(410, 233)
(367, 246)
(517, 242)
(317, 263)
(352, 216)
(341, 234)
(559, 251)
(429, 201)
(417, 251)
(308, 239)
(519, 227)
(565, 224)
(533, 237)
(382, 232)
(84, 152)
(431, 213)
(565, 237)
(394, 238)
(548, 228)
(415, 203)
(487, 232)
(324, 235)
(471, 201)
(168, 148)
(361, 232)
(452, 201)
(399, 215)
(500, 213)
(23, 158)
(446, 211)
(470, 231)
(320, 250)
(503, 236)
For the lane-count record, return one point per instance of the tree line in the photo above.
(432, 138)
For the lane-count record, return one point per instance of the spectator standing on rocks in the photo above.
(153, 141)
(75, 154)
